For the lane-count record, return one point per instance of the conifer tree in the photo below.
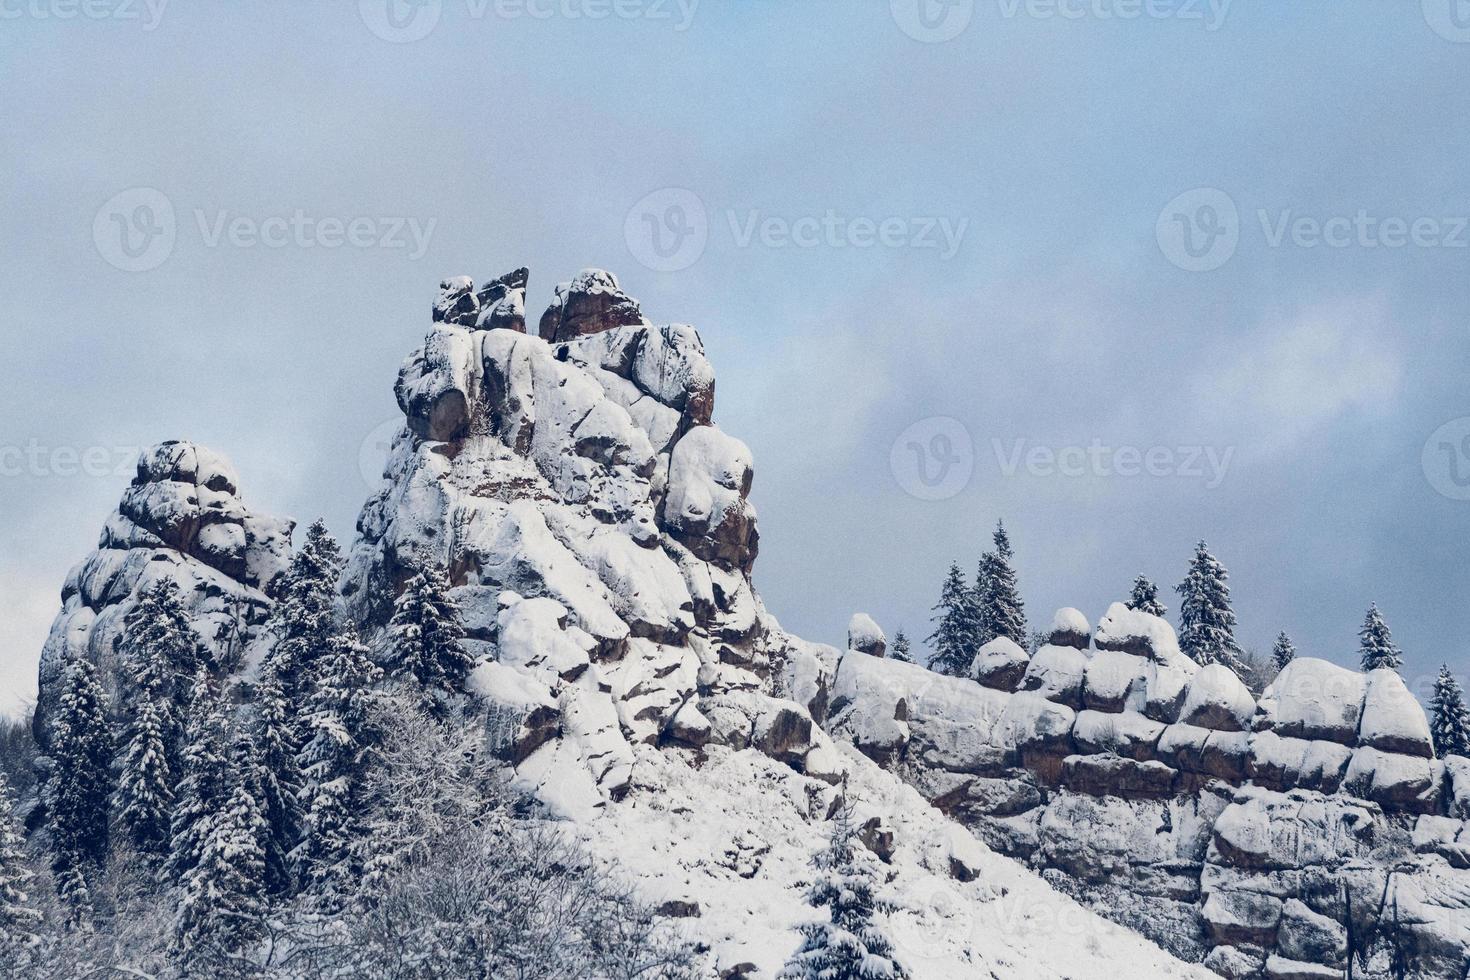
(901, 647)
(205, 781)
(849, 945)
(427, 635)
(1145, 598)
(340, 719)
(1376, 643)
(955, 632)
(18, 917)
(1450, 718)
(145, 791)
(1206, 622)
(80, 784)
(304, 619)
(163, 649)
(1001, 612)
(279, 776)
(222, 905)
(1283, 652)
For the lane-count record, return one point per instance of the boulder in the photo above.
(1069, 628)
(1056, 673)
(1392, 719)
(1310, 937)
(1215, 698)
(1109, 775)
(1235, 917)
(591, 303)
(865, 636)
(456, 302)
(502, 303)
(1000, 664)
(1313, 699)
(705, 508)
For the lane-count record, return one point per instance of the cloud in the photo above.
(1294, 374)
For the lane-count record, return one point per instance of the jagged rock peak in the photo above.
(591, 303)
(499, 305)
(182, 519)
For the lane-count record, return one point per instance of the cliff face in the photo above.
(1263, 838)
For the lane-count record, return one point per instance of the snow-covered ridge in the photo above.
(1164, 794)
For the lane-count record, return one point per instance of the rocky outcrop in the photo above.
(1262, 839)
(181, 519)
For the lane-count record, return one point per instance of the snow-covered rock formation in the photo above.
(181, 519)
(1264, 839)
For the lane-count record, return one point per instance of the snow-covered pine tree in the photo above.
(163, 649)
(205, 780)
(1145, 597)
(427, 635)
(304, 619)
(1450, 718)
(901, 647)
(18, 917)
(1001, 611)
(955, 632)
(1375, 643)
(340, 720)
(279, 779)
(849, 945)
(145, 788)
(1206, 622)
(80, 784)
(222, 905)
(1283, 652)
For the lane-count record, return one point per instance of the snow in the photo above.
(736, 836)
(1057, 672)
(1139, 633)
(1001, 657)
(1069, 628)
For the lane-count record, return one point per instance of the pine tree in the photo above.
(279, 779)
(222, 906)
(1145, 597)
(901, 650)
(1001, 612)
(164, 654)
(340, 719)
(427, 634)
(80, 784)
(956, 630)
(18, 918)
(145, 790)
(304, 619)
(849, 946)
(205, 781)
(1376, 643)
(1450, 721)
(1206, 623)
(1283, 652)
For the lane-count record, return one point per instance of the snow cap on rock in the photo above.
(865, 636)
(1069, 628)
(591, 303)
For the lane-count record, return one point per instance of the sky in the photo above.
(1126, 274)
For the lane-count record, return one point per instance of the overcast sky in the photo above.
(953, 263)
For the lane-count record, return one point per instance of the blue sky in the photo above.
(1059, 325)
